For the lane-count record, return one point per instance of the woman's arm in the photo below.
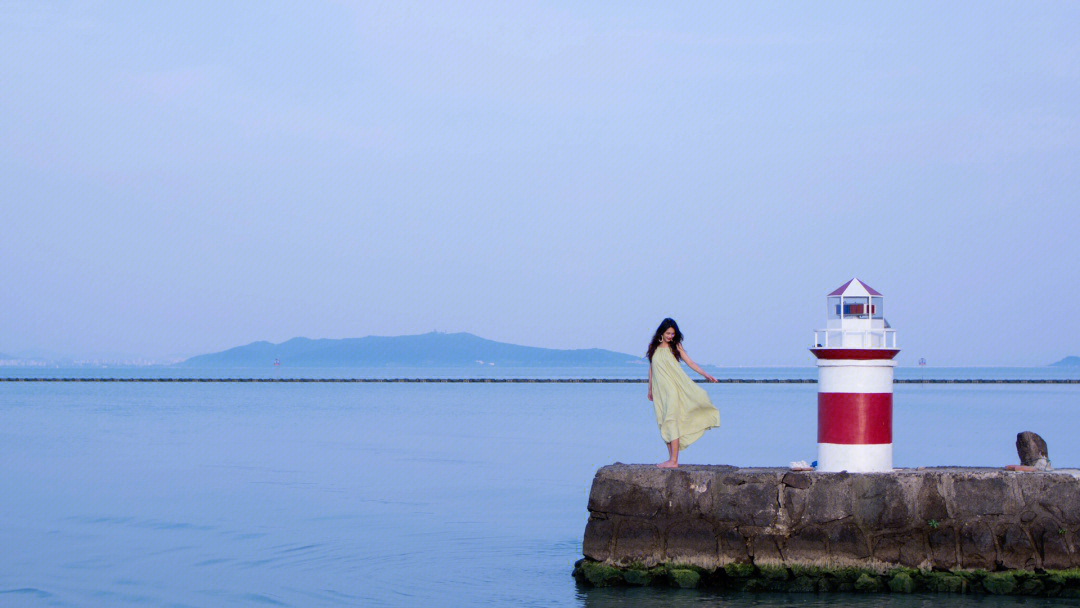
(694, 366)
(650, 381)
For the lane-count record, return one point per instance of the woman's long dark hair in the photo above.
(673, 345)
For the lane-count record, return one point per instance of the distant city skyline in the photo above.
(183, 179)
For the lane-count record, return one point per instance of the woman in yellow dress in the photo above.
(683, 409)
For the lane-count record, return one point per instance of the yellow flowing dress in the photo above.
(683, 409)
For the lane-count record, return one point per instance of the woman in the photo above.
(683, 410)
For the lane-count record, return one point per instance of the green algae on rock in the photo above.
(1050, 583)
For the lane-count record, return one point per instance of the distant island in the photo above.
(1068, 362)
(430, 349)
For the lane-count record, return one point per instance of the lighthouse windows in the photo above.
(856, 307)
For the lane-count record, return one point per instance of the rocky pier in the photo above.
(935, 529)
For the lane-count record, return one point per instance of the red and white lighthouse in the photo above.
(855, 382)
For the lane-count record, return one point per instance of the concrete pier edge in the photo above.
(948, 529)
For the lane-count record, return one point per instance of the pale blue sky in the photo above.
(182, 178)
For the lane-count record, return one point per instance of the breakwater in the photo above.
(934, 529)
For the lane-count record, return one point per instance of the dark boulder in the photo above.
(1032, 451)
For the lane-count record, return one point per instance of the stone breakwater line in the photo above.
(767, 529)
(541, 380)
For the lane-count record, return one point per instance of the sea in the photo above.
(411, 494)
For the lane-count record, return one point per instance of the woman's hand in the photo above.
(650, 393)
(709, 378)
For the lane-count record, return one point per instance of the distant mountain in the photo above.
(1068, 362)
(431, 349)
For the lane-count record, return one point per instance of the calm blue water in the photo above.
(398, 495)
(165, 371)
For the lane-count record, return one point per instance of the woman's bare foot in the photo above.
(668, 465)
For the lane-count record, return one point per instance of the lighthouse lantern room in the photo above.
(856, 319)
(855, 382)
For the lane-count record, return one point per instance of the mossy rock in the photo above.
(756, 585)
(803, 584)
(971, 577)
(776, 586)
(684, 578)
(971, 582)
(1032, 586)
(901, 582)
(1054, 583)
(739, 570)
(868, 583)
(811, 571)
(776, 573)
(577, 567)
(1069, 578)
(657, 572)
(944, 582)
(808, 579)
(848, 575)
(827, 585)
(1024, 576)
(601, 575)
(999, 583)
(637, 577)
(1065, 582)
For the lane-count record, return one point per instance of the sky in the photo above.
(181, 178)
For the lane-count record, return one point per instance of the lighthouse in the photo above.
(855, 363)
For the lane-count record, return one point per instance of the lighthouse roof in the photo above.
(855, 287)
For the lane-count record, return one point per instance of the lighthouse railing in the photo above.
(855, 338)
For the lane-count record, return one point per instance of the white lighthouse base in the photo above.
(866, 458)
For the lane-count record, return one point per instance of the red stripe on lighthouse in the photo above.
(855, 354)
(855, 418)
